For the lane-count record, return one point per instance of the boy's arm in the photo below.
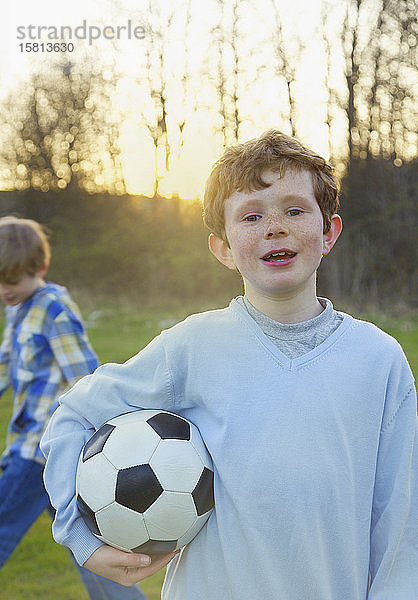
(70, 346)
(142, 382)
(69, 528)
(4, 358)
(4, 377)
(394, 528)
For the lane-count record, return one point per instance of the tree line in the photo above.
(154, 250)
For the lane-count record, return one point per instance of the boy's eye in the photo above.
(293, 212)
(252, 218)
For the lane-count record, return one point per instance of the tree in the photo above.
(156, 120)
(372, 262)
(285, 66)
(378, 47)
(228, 70)
(166, 106)
(60, 130)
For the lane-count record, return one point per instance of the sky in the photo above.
(201, 144)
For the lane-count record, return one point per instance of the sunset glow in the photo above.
(128, 36)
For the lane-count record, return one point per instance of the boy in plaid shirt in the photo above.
(45, 350)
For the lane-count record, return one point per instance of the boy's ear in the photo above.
(221, 250)
(42, 271)
(332, 235)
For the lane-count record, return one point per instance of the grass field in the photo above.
(40, 569)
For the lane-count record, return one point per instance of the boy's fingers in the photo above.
(132, 575)
(135, 560)
(124, 567)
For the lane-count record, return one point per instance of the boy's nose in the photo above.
(275, 227)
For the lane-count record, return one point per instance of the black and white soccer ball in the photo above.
(145, 482)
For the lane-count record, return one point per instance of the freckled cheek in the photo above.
(243, 244)
(312, 237)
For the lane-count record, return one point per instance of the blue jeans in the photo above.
(22, 500)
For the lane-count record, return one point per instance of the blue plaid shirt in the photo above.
(45, 350)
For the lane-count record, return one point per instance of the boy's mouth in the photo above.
(278, 255)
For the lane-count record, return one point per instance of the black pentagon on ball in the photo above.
(137, 487)
(88, 515)
(170, 427)
(97, 441)
(153, 547)
(203, 492)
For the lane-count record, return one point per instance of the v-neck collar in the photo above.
(286, 362)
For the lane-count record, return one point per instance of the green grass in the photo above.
(40, 569)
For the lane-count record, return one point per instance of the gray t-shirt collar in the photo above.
(295, 339)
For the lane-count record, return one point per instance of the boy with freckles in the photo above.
(309, 414)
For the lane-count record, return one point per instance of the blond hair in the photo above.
(241, 166)
(24, 248)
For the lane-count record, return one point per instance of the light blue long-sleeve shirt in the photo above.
(315, 458)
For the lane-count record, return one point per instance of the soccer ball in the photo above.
(145, 482)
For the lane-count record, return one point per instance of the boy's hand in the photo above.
(123, 567)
